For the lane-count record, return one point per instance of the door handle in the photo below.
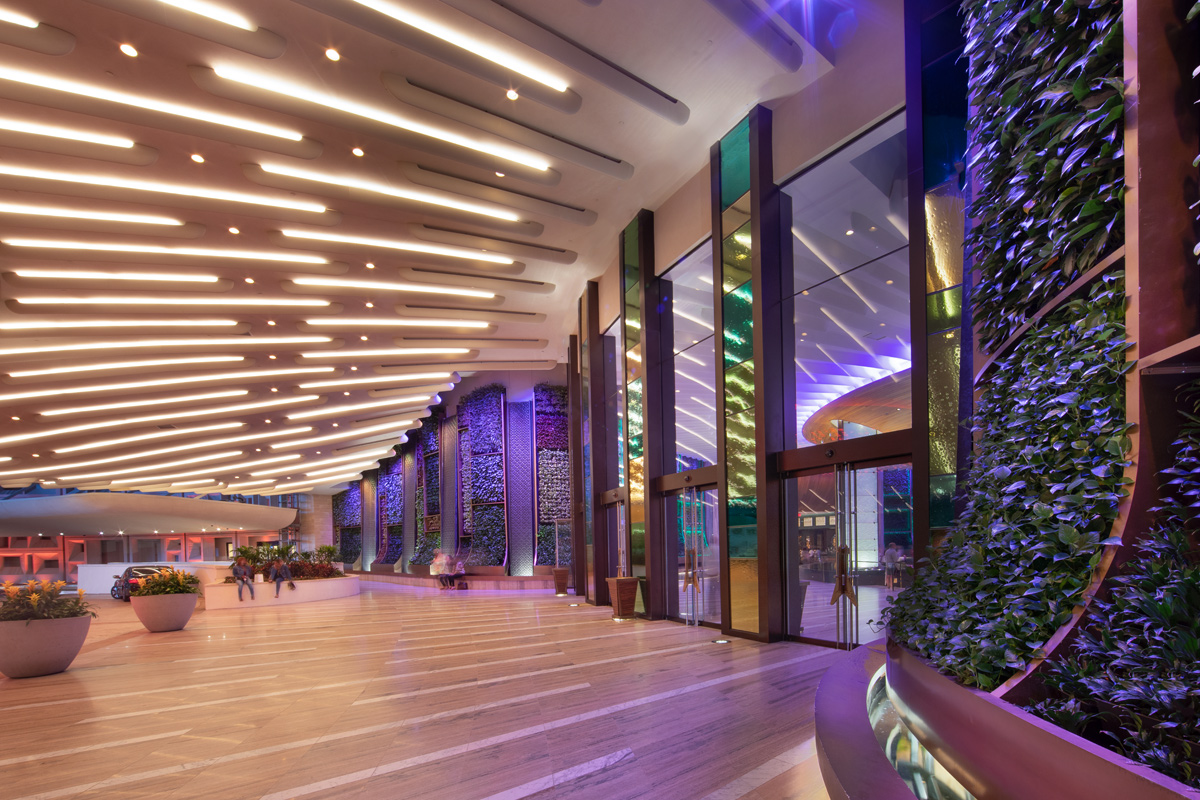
(842, 585)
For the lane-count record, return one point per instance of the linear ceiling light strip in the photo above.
(381, 380)
(283, 401)
(334, 410)
(95, 92)
(347, 434)
(266, 82)
(190, 398)
(392, 244)
(214, 12)
(377, 452)
(215, 341)
(196, 300)
(389, 286)
(80, 213)
(429, 198)
(114, 182)
(110, 365)
(395, 322)
(216, 376)
(146, 467)
(143, 249)
(50, 325)
(96, 275)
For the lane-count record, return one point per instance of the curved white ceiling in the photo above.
(232, 263)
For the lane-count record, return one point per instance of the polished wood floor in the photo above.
(410, 692)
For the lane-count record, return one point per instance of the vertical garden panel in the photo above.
(521, 489)
(553, 473)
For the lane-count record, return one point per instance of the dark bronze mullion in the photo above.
(600, 438)
(914, 122)
(575, 446)
(770, 408)
(658, 416)
(718, 377)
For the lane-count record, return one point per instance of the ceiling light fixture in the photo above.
(116, 323)
(234, 231)
(412, 247)
(379, 188)
(158, 186)
(17, 19)
(347, 434)
(333, 55)
(397, 351)
(396, 322)
(325, 411)
(358, 151)
(79, 213)
(39, 129)
(357, 467)
(213, 12)
(142, 468)
(129, 50)
(511, 94)
(205, 252)
(199, 159)
(478, 47)
(380, 380)
(58, 412)
(133, 300)
(21, 437)
(266, 82)
(394, 287)
(78, 346)
(141, 101)
(92, 275)
(111, 387)
(377, 452)
(94, 367)
(148, 436)
(176, 449)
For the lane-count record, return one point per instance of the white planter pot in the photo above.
(41, 646)
(164, 612)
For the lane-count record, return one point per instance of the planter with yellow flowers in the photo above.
(41, 631)
(165, 600)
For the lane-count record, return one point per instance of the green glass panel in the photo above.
(735, 163)
(740, 456)
(636, 428)
(738, 310)
(944, 357)
(633, 318)
(943, 310)
(945, 222)
(742, 518)
(739, 387)
(629, 255)
(736, 258)
(941, 500)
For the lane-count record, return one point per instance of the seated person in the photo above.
(279, 574)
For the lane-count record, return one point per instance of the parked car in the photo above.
(131, 575)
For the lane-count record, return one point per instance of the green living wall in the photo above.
(1051, 444)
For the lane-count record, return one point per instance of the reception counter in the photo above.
(224, 595)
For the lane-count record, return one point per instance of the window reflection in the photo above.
(851, 308)
(693, 344)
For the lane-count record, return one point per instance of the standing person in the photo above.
(279, 574)
(243, 575)
(891, 565)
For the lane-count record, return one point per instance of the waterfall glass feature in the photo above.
(736, 296)
(634, 407)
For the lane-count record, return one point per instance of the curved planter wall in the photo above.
(999, 752)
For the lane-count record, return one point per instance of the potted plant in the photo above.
(40, 630)
(165, 601)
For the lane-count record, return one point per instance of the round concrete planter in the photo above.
(41, 646)
(164, 612)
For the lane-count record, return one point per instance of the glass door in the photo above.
(849, 549)
(695, 534)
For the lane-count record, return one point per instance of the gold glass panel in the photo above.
(945, 215)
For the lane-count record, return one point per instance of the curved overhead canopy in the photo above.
(117, 513)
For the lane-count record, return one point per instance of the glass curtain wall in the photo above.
(851, 308)
(589, 488)
(631, 285)
(693, 347)
(736, 349)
